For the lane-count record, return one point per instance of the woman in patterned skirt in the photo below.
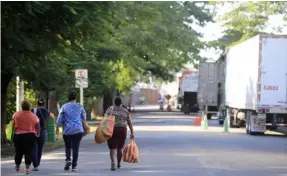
(117, 142)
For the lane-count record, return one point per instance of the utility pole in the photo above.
(19, 93)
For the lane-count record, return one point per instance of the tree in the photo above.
(246, 20)
(37, 38)
(44, 42)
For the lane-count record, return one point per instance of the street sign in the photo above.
(81, 76)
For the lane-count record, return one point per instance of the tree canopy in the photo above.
(118, 42)
(248, 19)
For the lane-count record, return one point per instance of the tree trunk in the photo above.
(6, 78)
(108, 101)
(53, 102)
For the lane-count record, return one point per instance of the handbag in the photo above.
(106, 128)
(86, 127)
(10, 131)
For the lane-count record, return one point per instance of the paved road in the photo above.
(170, 145)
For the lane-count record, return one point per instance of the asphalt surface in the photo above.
(169, 144)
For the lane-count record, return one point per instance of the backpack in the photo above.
(41, 118)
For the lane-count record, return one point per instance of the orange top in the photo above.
(25, 122)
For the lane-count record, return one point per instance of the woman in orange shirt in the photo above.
(26, 125)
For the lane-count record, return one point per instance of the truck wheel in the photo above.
(248, 121)
(220, 122)
(209, 116)
(230, 117)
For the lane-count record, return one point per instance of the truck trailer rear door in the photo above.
(273, 72)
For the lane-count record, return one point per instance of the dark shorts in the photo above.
(118, 139)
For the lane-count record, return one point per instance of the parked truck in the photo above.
(256, 83)
(208, 87)
(189, 90)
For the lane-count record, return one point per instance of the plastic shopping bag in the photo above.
(86, 127)
(10, 131)
(131, 152)
(105, 129)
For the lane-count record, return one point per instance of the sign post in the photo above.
(81, 76)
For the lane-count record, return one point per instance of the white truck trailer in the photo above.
(189, 92)
(208, 87)
(256, 83)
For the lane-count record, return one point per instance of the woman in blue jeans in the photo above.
(43, 114)
(71, 117)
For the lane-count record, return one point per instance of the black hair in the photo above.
(25, 105)
(41, 102)
(72, 96)
(118, 101)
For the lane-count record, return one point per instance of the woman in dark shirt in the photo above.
(43, 114)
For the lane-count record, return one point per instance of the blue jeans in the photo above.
(38, 148)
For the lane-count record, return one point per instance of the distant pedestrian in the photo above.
(117, 142)
(71, 117)
(27, 126)
(43, 115)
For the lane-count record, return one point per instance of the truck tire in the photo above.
(220, 122)
(248, 121)
(209, 116)
(231, 117)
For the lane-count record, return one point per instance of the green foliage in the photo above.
(11, 102)
(44, 42)
(31, 96)
(148, 36)
(161, 41)
(246, 20)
